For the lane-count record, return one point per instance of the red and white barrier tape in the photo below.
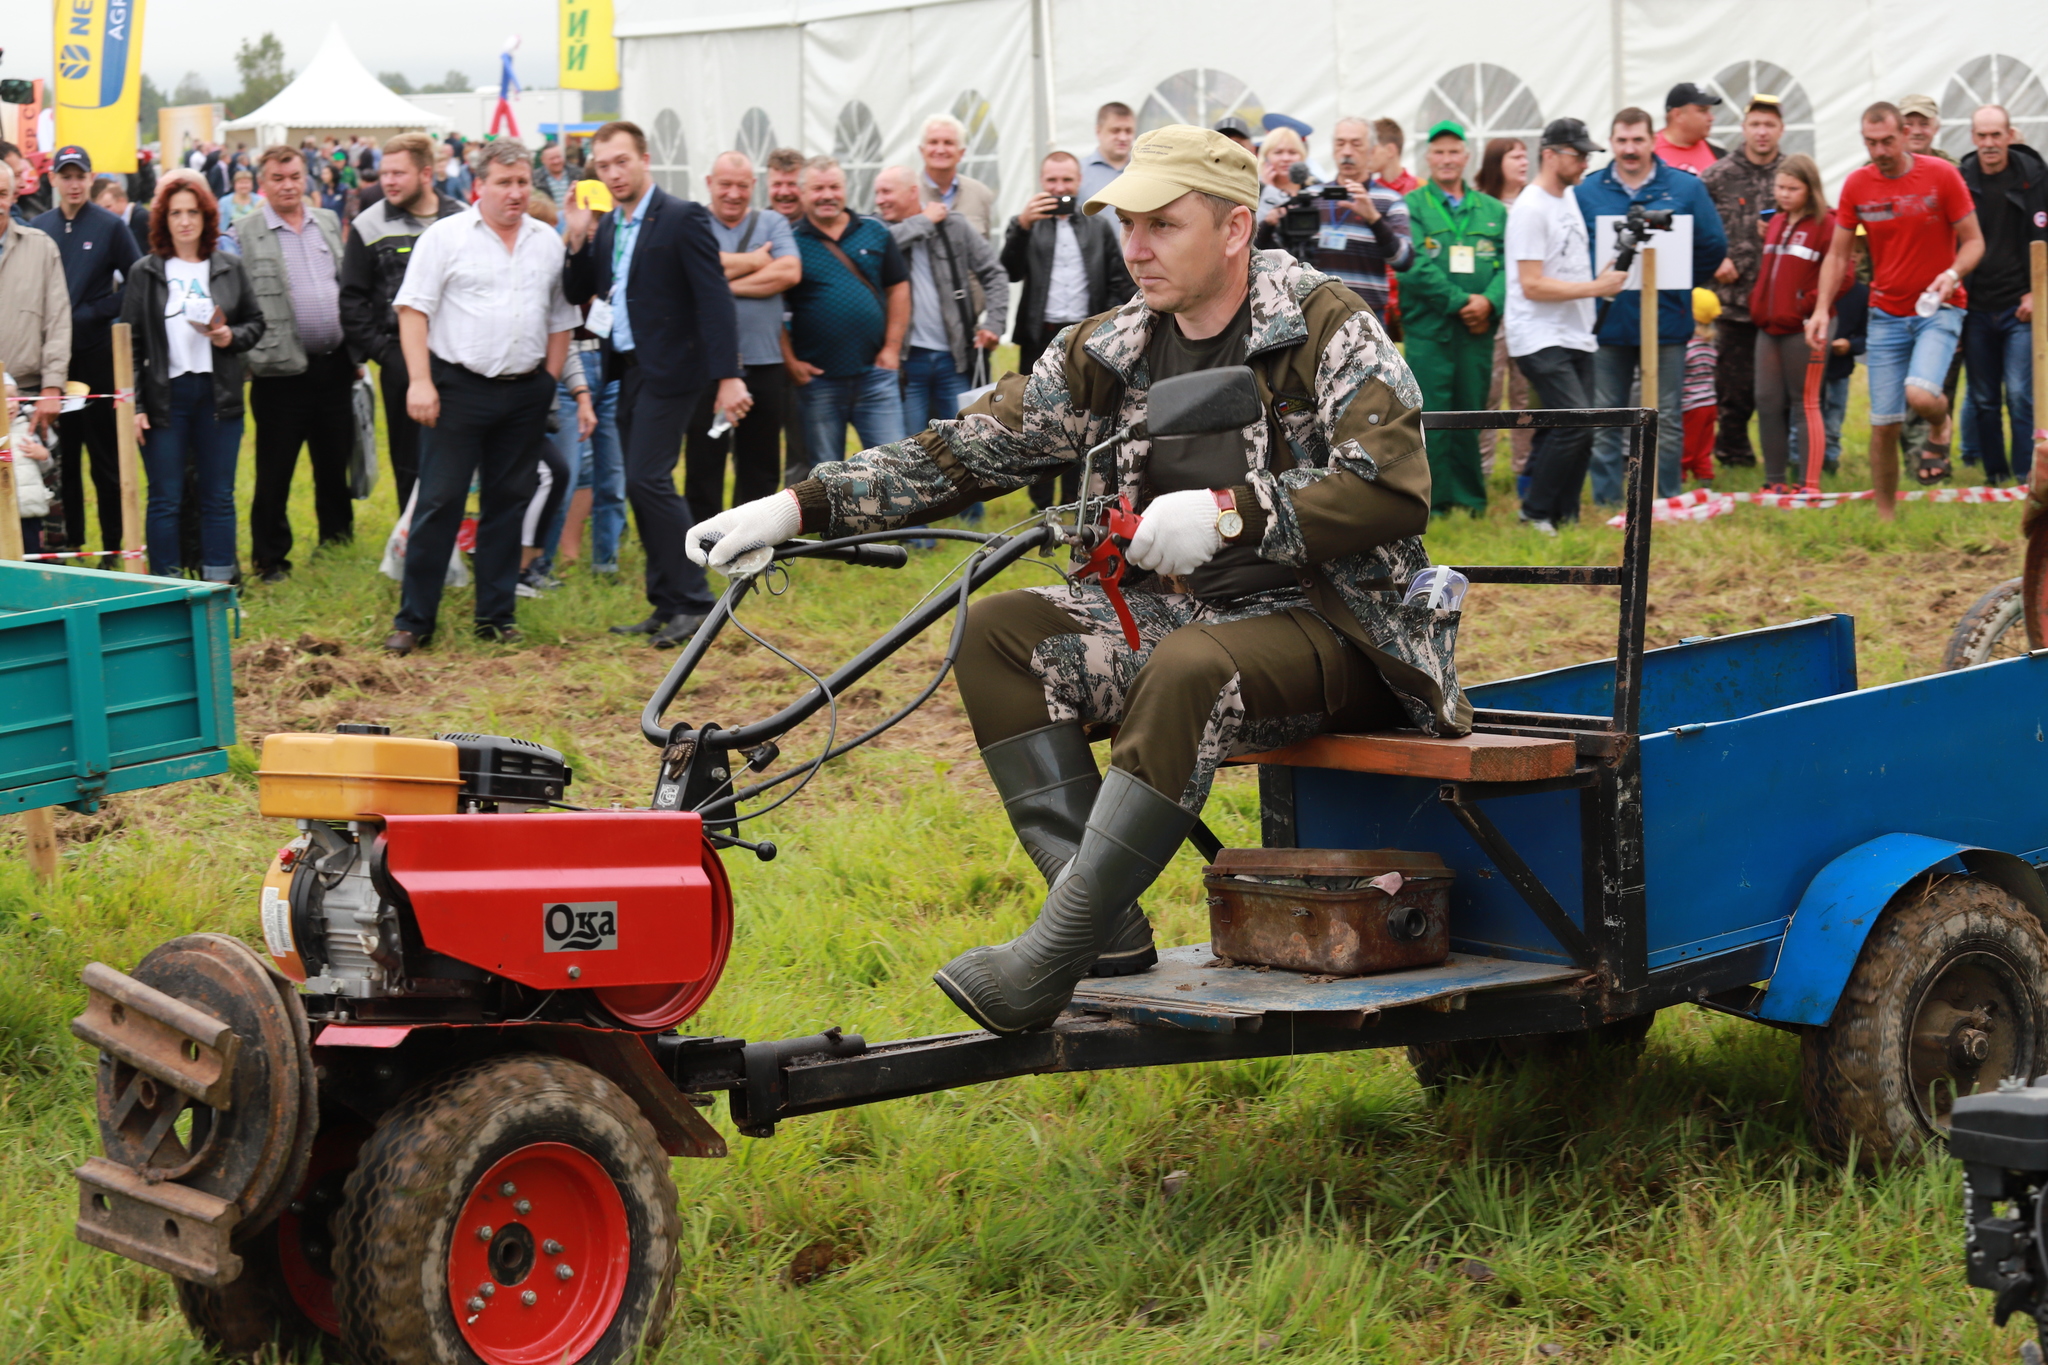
(30, 400)
(91, 554)
(1704, 504)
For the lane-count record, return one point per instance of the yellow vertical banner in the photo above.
(590, 59)
(99, 78)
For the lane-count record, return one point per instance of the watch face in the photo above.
(1230, 524)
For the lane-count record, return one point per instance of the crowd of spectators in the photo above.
(561, 331)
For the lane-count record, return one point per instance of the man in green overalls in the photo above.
(1451, 300)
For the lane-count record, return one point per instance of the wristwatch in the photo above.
(1229, 522)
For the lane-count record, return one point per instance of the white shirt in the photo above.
(190, 351)
(1066, 293)
(488, 309)
(1548, 228)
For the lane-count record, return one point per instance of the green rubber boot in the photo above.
(1131, 833)
(1048, 782)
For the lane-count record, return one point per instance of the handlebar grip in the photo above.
(868, 556)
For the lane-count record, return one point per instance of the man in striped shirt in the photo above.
(1364, 237)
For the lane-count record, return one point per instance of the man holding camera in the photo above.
(1450, 304)
(1263, 612)
(1364, 233)
(1071, 268)
(1677, 200)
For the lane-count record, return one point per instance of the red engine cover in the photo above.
(618, 898)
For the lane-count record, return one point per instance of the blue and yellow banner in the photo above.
(99, 79)
(590, 58)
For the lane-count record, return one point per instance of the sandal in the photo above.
(1933, 465)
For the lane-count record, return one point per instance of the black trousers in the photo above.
(651, 427)
(401, 433)
(89, 440)
(491, 430)
(1031, 344)
(1562, 378)
(313, 410)
(756, 447)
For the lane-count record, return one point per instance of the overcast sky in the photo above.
(423, 40)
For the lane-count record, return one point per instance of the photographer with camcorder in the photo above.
(1648, 196)
(1071, 267)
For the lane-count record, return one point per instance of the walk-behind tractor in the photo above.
(434, 1117)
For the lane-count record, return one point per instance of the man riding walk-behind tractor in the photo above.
(1267, 607)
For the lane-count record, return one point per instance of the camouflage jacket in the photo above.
(1345, 503)
(1742, 194)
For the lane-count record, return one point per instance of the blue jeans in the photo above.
(871, 402)
(1614, 381)
(1907, 350)
(1997, 351)
(193, 436)
(933, 393)
(600, 467)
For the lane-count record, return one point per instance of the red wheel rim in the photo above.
(305, 1233)
(665, 1005)
(540, 1211)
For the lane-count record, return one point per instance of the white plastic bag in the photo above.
(392, 566)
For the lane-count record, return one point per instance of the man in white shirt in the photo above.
(1549, 317)
(485, 327)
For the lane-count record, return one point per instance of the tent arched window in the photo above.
(1490, 101)
(1993, 79)
(755, 139)
(1200, 95)
(980, 161)
(669, 154)
(857, 147)
(1736, 84)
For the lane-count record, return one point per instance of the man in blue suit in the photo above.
(1638, 176)
(659, 300)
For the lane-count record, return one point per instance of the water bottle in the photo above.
(719, 426)
(1930, 298)
(1437, 588)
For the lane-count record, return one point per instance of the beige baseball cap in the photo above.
(1922, 105)
(1168, 162)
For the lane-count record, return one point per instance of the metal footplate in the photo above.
(172, 1227)
(165, 1040)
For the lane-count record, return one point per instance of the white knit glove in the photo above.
(1178, 533)
(740, 542)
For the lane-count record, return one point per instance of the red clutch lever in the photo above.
(1105, 564)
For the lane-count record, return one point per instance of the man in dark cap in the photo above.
(1688, 118)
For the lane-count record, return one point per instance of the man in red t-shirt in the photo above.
(1921, 225)
(1688, 118)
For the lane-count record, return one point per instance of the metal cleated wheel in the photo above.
(515, 1212)
(1619, 1043)
(1992, 629)
(1949, 996)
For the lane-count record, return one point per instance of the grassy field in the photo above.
(1328, 1213)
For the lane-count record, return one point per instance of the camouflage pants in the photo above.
(1207, 683)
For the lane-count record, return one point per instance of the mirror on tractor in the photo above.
(1205, 401)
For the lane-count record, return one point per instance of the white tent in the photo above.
(855, 78)
(334, 95)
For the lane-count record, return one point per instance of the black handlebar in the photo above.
(868, 556)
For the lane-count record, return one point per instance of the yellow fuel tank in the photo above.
(349, 777)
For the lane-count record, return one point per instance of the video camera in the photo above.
(1301, 217)
(2002, 1140)
(1634, 230)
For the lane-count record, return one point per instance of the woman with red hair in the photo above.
(192, 313)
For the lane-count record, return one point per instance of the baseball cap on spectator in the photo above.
(1446, 127)
(1233, 126)
(1770, 103)
(1168, 162)
(1922, 105)
(1569, 132)
(1685, 92)
(1274, 122)
(73, 155)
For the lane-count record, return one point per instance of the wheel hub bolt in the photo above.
(483, 1234)
(551, 1247)
(523, 1207)
(476, 1305)
(487, 1289)
(563, 1272)
(508, 1189)
(529, 1298)
(1973, 1045)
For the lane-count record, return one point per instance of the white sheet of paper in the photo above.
(199, 310)
(1674, 252)
(599, 323)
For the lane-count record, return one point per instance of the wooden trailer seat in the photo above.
(1410, 753)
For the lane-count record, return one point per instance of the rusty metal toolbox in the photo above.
(1332, 911)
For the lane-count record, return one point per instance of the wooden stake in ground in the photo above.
(1649, 312)
(42, 830)
(124, 427)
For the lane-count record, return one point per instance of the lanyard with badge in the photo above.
(599, 323)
